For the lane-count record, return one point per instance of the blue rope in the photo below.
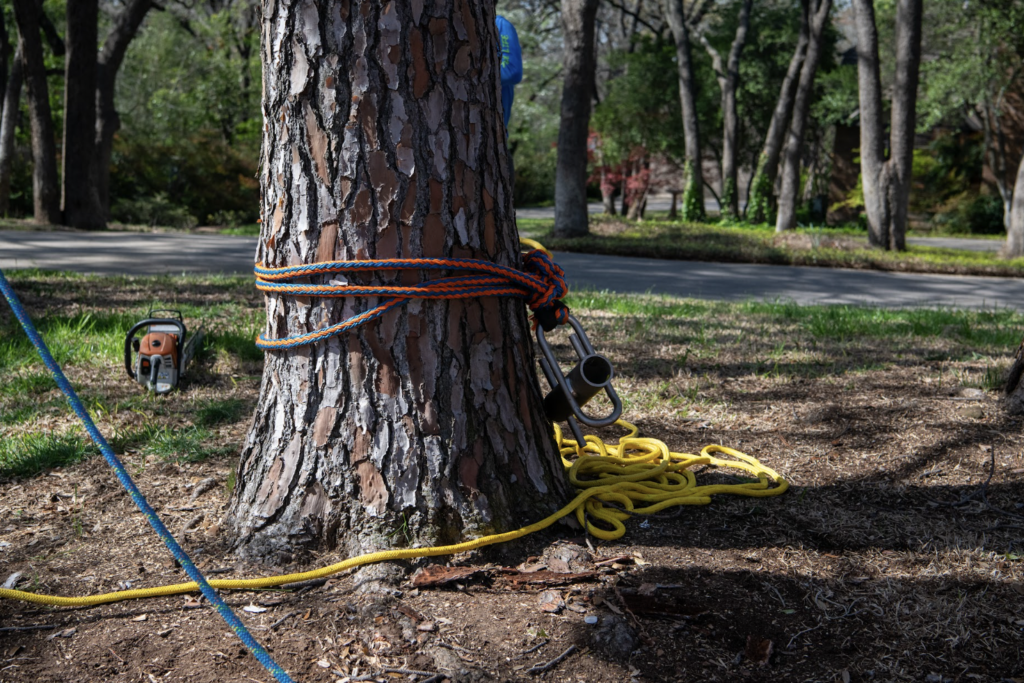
(122, 475)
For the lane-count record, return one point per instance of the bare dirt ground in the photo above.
(898, 555)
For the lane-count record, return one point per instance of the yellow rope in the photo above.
(639, 475)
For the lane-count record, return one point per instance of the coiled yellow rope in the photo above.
(638, 476)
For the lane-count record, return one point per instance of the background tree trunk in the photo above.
(887, 184)
(761, 201)
(383, 138)
(904, 117)
(693, 188)
(1015, 231)
(126, 26)
(728, 76)
(80, 200)
(571, 215)
(45, 183)
(790, 191)
(11, 112)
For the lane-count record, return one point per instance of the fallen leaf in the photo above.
(558, 566)
(759, 650)
(647, 589)
(141, 617)
(254, 609)
(427, 626)
(192, 603)
(640, 561)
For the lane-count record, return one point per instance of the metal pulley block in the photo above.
(591, 375)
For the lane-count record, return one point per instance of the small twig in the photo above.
(409, 672)
(789, 646)
(300, 585)
(534, 648)
(777, 593)
(437, 678)
(35, 627)
(115, 654)
(282, 620)
(190, 525)
(981, 493)
(541, 668)
(457, 648)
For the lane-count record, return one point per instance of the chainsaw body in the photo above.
(158, 359)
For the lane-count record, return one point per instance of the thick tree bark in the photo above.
(571, 215)
(11, 112)
(1015, 230)
(887, 183)
(728, 76)
(45, 183)
(693, 188)
(80, 199)
(383, 138)
(126, 26)
(761, 200)
(790, 190)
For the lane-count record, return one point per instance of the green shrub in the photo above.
(152, 211)
(977, 215)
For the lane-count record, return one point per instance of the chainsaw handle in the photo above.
(146, 323)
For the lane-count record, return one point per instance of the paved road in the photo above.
(149, 253)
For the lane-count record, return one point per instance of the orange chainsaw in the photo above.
(162, 354)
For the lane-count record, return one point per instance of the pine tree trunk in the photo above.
(571, 214)
(80, 201)
(789, 193)
(11, 111)
(108, 122)
(761, 202)
(693, 189)
(887, 183)
(45, 183)
(383, 138)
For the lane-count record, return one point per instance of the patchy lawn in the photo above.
(896, 556)
(830, 248)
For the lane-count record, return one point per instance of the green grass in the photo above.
(219, 412)
(250, 230)
(186, 444)
(96, 338)
(742, 243)
(998, 328)
(26, 455)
